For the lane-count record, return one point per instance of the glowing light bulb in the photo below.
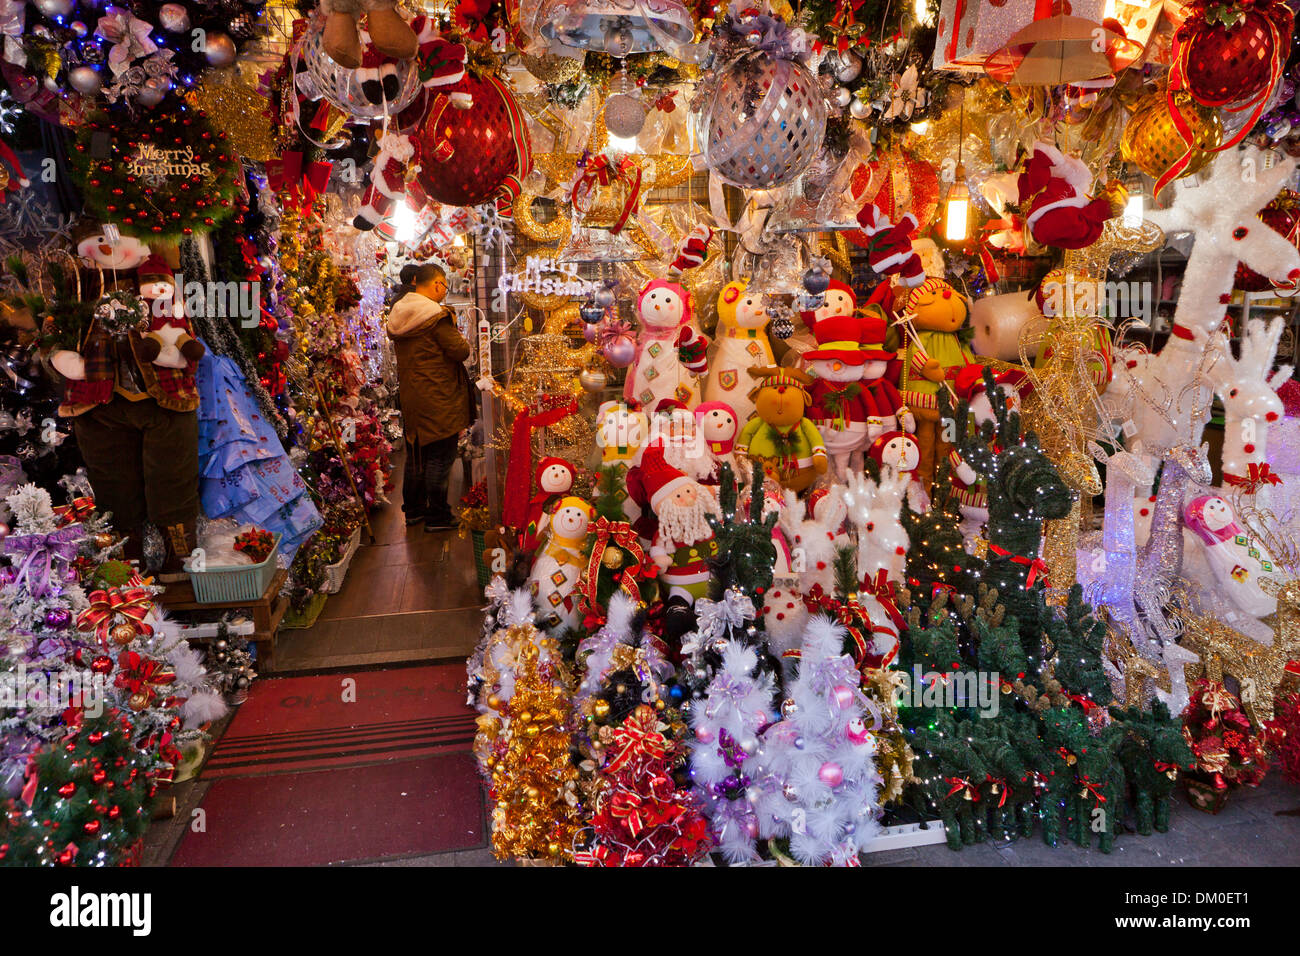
(957, 215)
(1133, 210)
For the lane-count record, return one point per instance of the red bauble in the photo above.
(897, 183)
(467, 155)
(1282, 216)
(1226, 65)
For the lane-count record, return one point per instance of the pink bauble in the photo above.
(703, 735)
(831, 774)
(467, 155)
(843, 696)
(620, 352)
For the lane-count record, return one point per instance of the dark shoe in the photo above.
(414, 520)
(437, 524)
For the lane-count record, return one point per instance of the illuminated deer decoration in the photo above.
(1221, 215)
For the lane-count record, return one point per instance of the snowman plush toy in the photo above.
(168, 343)
(670, 353)
(1237, 561)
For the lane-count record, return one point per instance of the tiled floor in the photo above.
(408, 596)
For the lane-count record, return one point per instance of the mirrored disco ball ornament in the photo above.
(765, 122)
(617, 28)
(341, 87)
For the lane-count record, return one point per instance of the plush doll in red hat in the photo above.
(968, 488)
(718, 427)
(168, 343)
(840, 300)
(779, 435)
(898, 453)
(839, 405)
(683, 542)
(554, 479)
(673, 427)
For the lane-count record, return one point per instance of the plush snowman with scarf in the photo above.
(670, 352)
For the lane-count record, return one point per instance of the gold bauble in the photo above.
(553, 69)
(612, 558)
(600, 709)
(104, 539)
(494, 702)
(123, 634)
(1153, 144)
(138, 701)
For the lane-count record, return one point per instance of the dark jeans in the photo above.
(425, 479)
(142, 461)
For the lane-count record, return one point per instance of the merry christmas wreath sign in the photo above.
(164, 174)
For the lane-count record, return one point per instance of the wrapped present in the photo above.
(970, 32)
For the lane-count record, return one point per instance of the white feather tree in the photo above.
(820, 782)
(736, 706)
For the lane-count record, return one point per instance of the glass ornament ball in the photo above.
(1152, 143)
(54, 8)
(624, 115)
(764, 123)
(593, 380)
(85, 80)
(467, 155)
(219, 49)
(174, 18)
(1229, 65)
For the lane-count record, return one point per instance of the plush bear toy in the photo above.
(778, 435)
(388, 31)
(935, 353)
(670, 352)
(741, 344)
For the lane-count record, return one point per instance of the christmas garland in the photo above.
(164, 175)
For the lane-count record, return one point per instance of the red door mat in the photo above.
(293, 724)
(401, 808)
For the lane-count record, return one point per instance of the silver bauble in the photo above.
(859, 109)
(85, 80)
(848, 68)
(624, 115)
(54, 8)
(843, 96)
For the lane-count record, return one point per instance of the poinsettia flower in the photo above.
(129, 36)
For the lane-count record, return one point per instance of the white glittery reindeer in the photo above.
(1250, 404)
(1173, 406)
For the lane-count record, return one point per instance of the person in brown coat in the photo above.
(434, 389)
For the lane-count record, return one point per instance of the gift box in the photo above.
(971, 31)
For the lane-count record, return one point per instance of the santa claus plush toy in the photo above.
(683, 542)
(673, 428)
(889, 248)
(1056, 190)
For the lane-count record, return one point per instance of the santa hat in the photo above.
(153, 269)
(658, 478)
(838, 337)
(877, 448)
(666, 406)
(969, 381)
(1055, 189)
(547, 463)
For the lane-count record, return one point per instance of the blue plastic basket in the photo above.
(241, 582)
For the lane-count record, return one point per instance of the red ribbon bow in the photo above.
(141, 675)
(297, 184)
(1036, 565)
(961, 783)
(1258, 474)
(637, 737)
(131, 604)
(79, 509)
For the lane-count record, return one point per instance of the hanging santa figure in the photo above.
(683, 542)
(168, 343)
(441, 66)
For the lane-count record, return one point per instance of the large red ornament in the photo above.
(1282, 215)
(468, 156)
(1226, 65)
(898, 183)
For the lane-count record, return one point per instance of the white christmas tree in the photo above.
(736, 706)
(817, 766)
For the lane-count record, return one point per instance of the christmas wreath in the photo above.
(164, 174)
